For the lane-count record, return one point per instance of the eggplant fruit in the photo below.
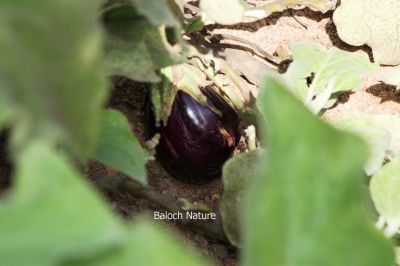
(197, 139)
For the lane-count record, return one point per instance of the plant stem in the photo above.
(276, 60)
(211, 228)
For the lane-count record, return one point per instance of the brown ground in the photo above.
(272, 33)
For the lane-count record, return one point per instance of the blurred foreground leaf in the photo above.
(134, 47)
(148, 244)
(238, 173)
(157, 12)
(51, 71)
(304, 207)
(119, 148)
(52, 214)
(5, 113)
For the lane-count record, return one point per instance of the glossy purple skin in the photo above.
(196, 141)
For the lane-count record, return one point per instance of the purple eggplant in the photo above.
(198, 139)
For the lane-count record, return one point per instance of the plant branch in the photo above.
(212, 228)
(276, 60)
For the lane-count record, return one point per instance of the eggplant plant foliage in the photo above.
(296, 204)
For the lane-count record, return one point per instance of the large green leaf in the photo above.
(238, 173)
(51, 69)
(385, 187)
(5, 113)
(304, 207)
(150, 245)
(119, 148)
(134, 47)
(157, 12)
(316, 73)
(52, 214)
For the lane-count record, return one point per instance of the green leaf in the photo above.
(5, 113)
(149, 244)
(380, 132)
(304, 207)
(397, 251)
(51, 69)
(135, 48)
(385, 187)
(196, 25)
(119, 148)
(223, 11)
(238, 173)
(331, 71)
(53, 214)
(157, 12)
